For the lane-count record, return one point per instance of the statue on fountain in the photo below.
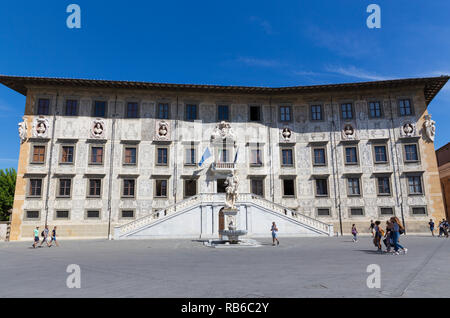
(231, 189)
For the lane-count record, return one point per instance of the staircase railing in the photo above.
(219, 198)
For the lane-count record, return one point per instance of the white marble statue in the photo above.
(231, 190)
(430, 127)
(223, 131)
(23, 130)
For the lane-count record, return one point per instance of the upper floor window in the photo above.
(288, 187)
(132, 110)
(163, 111)
(411, 154)
(43, 106)
(67, 154)
(316, 112)
(287, 157)
(223, 113)
(380, 154)
(162, 156)
(99, 109)
(351, 155)
(256, 157)
(130, 156)
(128, 187)
(257, 186)
(161, 188)
(35, 188)
(190, 187)
(405, 107)
(64, 187)
(38, 154)
(353, 186)
(190, 158)
(319, 158)
(415, 185)
(95, 186)
(384, 185)
(375, 110)
(285, 113)
(191, 112)
(347, 111)
(96, 155)
(255, 113)
(71, 107)
(321, 187)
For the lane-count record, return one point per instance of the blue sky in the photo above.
(261, 43)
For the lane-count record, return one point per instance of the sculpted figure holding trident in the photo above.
(231, 190)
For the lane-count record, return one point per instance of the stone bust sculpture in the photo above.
(23, 130)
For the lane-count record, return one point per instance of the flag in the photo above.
(236, 155)
(206, 156)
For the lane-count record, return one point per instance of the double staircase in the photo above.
(192, 207)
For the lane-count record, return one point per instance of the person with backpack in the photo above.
(44, 234)
(445, 228)
(397, 230)
(441, 228)
(354, 233)
(274, 231)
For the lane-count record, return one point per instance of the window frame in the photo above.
(37, 113)
(88, 192)
(356, 208)
(411, 105)
(327, 195)
(374, 154)
(91, 154)
(58, 188)
(167, 156)
(187, 111)
(322, 112)
(313, 154)
(77, 107)
(29, 188)
(358, 178)
(283, 190)
(157, 115)
(352, 110)
(412, 207)
(34, 145)
(124, 155)
(190, 147)
(61, 149)
(385, 207)
(122, 192)
(420, 178)
(94, 104)
(184, 187)
(219, 106)
(55, 215)
(323, 208)
(251, 180)
(356, 154)
(292, 149)
(86, 212)
(26, 218)
(121, 217)
(127, 114)
(259, 107)
(259, 148)
(156, 188)
(417, 152)
(378, 185)
(369, 113)
(288, 107)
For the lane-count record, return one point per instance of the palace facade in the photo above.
(136, 160)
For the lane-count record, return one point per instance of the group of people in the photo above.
(389, 236)
(443, 227)
(46, 238)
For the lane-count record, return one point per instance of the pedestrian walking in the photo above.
(371, 227)
(441, 228)
(379, 233)
(274, 231)
(36, 236)
(445, 228)
(431, 224)
(53, 237)
(398, 229)
(354, 233)
(388, 236)
(45, 235)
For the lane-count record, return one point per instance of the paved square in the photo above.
(299, 267)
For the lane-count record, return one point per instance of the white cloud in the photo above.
(251, 61)
(352, 71)
(264, 24)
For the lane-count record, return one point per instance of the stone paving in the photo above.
(299, 267)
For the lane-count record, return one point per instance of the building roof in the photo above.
(432, 85)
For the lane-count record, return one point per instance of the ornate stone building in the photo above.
(135, 160)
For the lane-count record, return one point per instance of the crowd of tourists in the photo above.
(46, 237)
(443, 228)
(389, 236)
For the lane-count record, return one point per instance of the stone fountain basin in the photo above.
(233, 232)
